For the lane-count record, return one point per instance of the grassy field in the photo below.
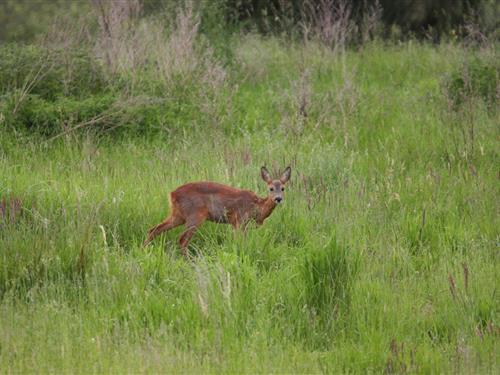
(383, 257)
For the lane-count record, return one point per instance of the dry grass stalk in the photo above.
(346, 98)
(178, 58)
(298, 103)
(474, 36)
(303, 93)
(371, 22)
(466, 275)
(66, 33)
(172, 57)
(207, 279)
(453, 287)
(10, 209)
(175, 56)
(115, 19)
(330, 22)
(203, 278)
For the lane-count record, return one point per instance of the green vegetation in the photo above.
(383, 257)
(477, 78)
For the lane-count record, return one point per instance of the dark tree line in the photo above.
(415, 17)
(26, 19)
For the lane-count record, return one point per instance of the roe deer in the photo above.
(193, 203)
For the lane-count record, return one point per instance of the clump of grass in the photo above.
(478, 77)
(328, 274)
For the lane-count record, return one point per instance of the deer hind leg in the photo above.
(170, 222)
(192, 224)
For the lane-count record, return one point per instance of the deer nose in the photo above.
(278, 199)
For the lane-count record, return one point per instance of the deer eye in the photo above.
(271, 189)
(282, 189)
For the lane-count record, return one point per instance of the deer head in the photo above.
(276, 188)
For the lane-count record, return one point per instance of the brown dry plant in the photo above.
(330, 22)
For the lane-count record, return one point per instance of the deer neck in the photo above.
(266, 207)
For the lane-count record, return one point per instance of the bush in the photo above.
(49, 117)
(103, 111)
(49, 73)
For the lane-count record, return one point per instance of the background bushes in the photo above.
(49, 72)
(24, 20)
(168, 59)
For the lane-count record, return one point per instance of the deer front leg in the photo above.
(237, 221)
(191, 225)
(240, 224)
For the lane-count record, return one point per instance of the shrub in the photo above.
(49, 117)
(103, 111)
(49, 73)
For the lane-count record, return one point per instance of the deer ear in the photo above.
(266, 176)
(286, 175)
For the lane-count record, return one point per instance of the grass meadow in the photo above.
(383, 258)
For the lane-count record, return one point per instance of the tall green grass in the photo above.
(384, 256)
